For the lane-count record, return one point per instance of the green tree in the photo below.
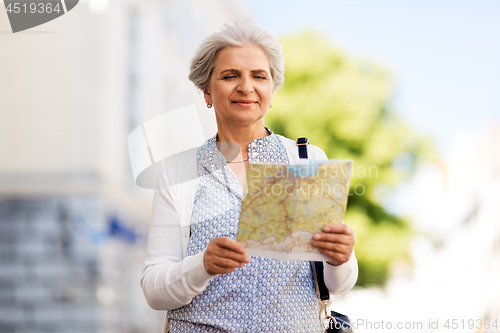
(343, 106)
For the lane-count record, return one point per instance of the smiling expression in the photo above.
(241, 86)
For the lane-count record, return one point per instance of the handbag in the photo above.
(335, 322)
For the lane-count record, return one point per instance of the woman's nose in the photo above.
(245, 86)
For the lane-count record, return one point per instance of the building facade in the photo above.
(73, 224)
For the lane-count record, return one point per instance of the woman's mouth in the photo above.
(244, 102)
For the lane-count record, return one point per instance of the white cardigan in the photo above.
(170, 279)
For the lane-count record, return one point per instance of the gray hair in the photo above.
(236, 34)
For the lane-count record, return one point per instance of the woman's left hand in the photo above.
(336, 241)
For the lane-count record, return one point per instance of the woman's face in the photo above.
(241, 87)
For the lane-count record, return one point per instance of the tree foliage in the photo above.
(343, 106)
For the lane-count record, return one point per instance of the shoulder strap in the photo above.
(321, 289)
(302, 144)
(316, 266)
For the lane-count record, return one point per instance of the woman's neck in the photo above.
(241, 136)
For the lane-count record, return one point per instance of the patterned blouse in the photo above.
(266, 295)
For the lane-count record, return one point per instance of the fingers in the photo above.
(338, 254)
(338, 228)
(321, 238)
(337, 258)
(337, 242)
(337, 233)
(228, 248)
(223, 255)
(227, 243)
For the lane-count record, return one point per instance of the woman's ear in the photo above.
(208, 97)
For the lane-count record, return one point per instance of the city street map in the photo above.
(286, 204)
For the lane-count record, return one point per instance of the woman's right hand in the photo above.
(223, 255)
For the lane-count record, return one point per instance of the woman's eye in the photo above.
(260, 77)
(229, 77)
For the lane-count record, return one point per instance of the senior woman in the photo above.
(195, 269)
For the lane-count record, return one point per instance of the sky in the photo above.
(444, 55)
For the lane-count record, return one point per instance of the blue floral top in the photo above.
(266, 295)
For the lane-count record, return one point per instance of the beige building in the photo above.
(72, 221)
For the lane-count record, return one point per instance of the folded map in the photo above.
(286, 205)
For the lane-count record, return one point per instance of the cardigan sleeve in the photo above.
(340, 279)
(168, 280)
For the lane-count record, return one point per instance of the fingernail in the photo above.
(326, 229)
(317, 236)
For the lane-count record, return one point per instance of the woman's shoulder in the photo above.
(180, 168)
(184, 164)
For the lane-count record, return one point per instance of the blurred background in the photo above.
(409, 90)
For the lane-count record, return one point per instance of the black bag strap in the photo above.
(302, 144)
(316, 266)
(321, 289)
